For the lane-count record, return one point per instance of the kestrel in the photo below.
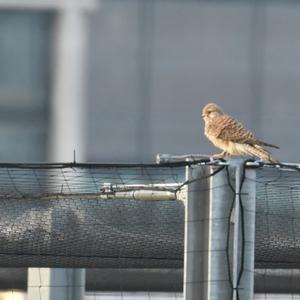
(229, 135)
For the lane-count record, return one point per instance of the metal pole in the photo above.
(195, 210)
(67, 126)
(208, 242)
(236, 255)
(66, 135)
(206, 219)
(62, 284)
(243, 239)
(168, 158)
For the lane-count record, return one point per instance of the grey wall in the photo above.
(154, 64)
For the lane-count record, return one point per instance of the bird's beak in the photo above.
(203, 115)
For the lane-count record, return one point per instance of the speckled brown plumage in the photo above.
(229, 135)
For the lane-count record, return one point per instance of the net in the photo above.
(52, 215)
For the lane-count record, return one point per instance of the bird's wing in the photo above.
(232, 130)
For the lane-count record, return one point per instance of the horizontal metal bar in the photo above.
(125, 187)
(141, 194)
(168, 158)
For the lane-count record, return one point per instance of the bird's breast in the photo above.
(211, 133)
(219, 143)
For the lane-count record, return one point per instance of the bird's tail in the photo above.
(262, 143)
(258, 151)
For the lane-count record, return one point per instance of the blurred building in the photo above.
(151, 67)
(146, 69)
(154, 64)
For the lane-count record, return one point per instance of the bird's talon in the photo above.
(221, 160)
(219, 155)
(216, 159)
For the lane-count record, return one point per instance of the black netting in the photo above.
(51, 216)
(277, 218)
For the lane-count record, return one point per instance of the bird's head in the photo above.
(211, 110)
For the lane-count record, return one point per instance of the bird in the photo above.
(226, 133)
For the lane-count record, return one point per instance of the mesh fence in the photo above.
(51, 216)
(65, 215)
(277, 218)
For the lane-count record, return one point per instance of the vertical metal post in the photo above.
(208, 241)
(68, 103)
(62, 284)
(206, 224)
(196, 208)
(243, 239)
(66, 135)
(235, 218)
